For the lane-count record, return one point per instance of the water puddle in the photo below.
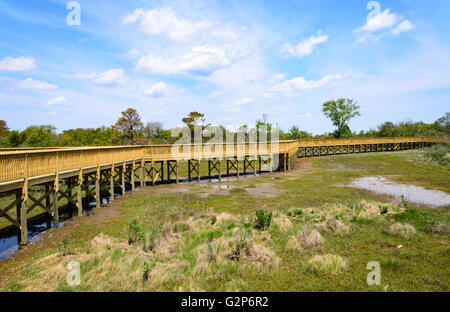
(413, 194)
(9, 245)
(221, 187)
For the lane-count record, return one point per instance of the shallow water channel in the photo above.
(412, 193)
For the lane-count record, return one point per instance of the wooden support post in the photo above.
(133, 169)
(220, 170)
(285, 162)
(111, 182)
(55, 204)
(189, 170)
(55, 194)
(97, 188)
(21, 219)
(178, 177)
(254, 167)
(237, 167)
(198, 170)
(142, 173)
(80, 193)
(153, 173)
(123, 172)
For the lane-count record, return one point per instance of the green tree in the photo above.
(443, 124)
(39, 136)
(340, 112)
(4, 132)
(153, 130)
(195, 120)
(129, 127)
(263, 129)
(296, 134)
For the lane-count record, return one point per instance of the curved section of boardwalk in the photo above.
(87, 171)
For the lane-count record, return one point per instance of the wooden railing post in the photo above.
(124, 168)
(23, 207)
(55, 194)
(133, 168)
(142, 174)
(111, 182)
(97, 187)
(79, 188)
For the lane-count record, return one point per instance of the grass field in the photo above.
(300, 231)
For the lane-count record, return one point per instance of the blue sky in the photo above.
(232, 60)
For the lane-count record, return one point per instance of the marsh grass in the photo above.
(211, 244)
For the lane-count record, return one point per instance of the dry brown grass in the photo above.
(283, 223)
(293, 244)
(333, 225)
(310, 238)
(327, 264)
(401, 230)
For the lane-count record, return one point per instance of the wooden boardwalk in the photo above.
(89, 171)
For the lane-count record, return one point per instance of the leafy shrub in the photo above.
(135, 232)
(263, 219)
(148, 267)
(438, 154)
(63, 246)
(213, 220)
(296, 213)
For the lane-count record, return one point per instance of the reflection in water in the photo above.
(8, 245)
(414, 194)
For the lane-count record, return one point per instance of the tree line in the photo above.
(130, 130)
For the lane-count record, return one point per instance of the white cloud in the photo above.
(201, 61)
(32, 84)
(301, 83)
(225, 33)
(243, 101)
(159, 89)
(165, 21)
(108, 78)
(403, 27)
(57, 101)
(386, 19)
(132, 54)
(306, 47)
(240, 102)
(307, 115)
(17, 64)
